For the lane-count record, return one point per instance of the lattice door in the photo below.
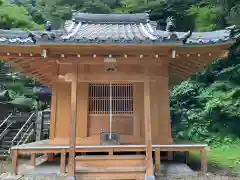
(99, 108)
(99, 98)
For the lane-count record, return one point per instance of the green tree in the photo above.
(206, 18)
(13, 16)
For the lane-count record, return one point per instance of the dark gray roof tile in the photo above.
(111, 28)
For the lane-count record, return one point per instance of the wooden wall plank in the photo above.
(138, 109)
(53, 112)
(82, 110)
(63, 110)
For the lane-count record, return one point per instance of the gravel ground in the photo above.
(169, 177)
(5, 168)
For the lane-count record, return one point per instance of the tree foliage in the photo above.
(13, 16)
(200, 15)
(206, 107)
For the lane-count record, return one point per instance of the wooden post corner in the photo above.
(72, 126)
(204, 160)
(63, 162)
(148, 131)
(33, 159)
(14, 154)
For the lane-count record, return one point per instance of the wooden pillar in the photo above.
(186, 157)
(49, 157)
(72, 126)
(157, 159)
(33, 159)
(148, 131)
(169, 155)
(204, 160)
(63, 162)
(15, 161)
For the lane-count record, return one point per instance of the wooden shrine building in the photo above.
(110, 76)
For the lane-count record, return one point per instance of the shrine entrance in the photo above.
(110, 109)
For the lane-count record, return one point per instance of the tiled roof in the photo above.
(111, 33)
(199, 37)
(114, 28)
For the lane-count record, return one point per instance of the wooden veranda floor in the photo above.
(45, 168)
(46, 147)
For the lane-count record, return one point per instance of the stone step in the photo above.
(18, 122)
(3, 152)
(8, 138)
(9, 142)
(14, 132)
(5, 146)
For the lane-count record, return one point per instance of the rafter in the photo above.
(177, 69)
(182, 67)
(33, 75)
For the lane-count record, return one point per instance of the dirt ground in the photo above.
(5, 169)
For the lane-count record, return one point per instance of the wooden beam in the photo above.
(109, 49)
(104, 77)
(203, 49)
(115, 60)
(16, 48)
(72, 127)
(148, 129)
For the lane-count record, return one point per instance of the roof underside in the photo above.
(187, 61)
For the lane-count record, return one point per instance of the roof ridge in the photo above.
(111, 18)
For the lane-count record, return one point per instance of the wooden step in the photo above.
(100, 157)
(111, 173)
(110, 161)
(111, 167)
(111, 176)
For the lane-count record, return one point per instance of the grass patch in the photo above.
(224, 156)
